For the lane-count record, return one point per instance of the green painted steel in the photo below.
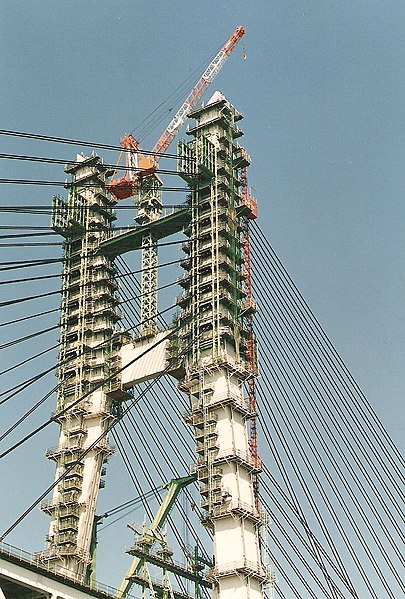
(174, 488)
(133, 239)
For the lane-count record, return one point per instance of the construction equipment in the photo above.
(139, 166)
(174, 488)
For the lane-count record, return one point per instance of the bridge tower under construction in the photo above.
(209, 348)
(216, 306)
(87, 394)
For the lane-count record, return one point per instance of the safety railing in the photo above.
(25, 557)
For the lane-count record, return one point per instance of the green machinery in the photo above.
(151, 548)
(145, 554)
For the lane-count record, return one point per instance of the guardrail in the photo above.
(33, 560)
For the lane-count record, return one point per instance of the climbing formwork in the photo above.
(87, 387)
(209, 349)
(215, 306)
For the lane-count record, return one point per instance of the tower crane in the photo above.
(139, 166)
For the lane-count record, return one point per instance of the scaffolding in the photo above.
(216, 315)
(212, 350)
(87, 354)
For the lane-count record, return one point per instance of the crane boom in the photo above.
(147, 165)
(205, 80)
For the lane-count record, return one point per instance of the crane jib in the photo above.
(125, 186)
(197, 91)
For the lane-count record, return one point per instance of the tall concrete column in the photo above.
(88, 351)
(217, 366)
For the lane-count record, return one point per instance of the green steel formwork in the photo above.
(214, 326)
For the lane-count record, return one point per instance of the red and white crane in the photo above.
(140, 166)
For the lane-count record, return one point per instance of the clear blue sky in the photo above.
(322, 92)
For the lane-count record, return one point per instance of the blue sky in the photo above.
(322, 93)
